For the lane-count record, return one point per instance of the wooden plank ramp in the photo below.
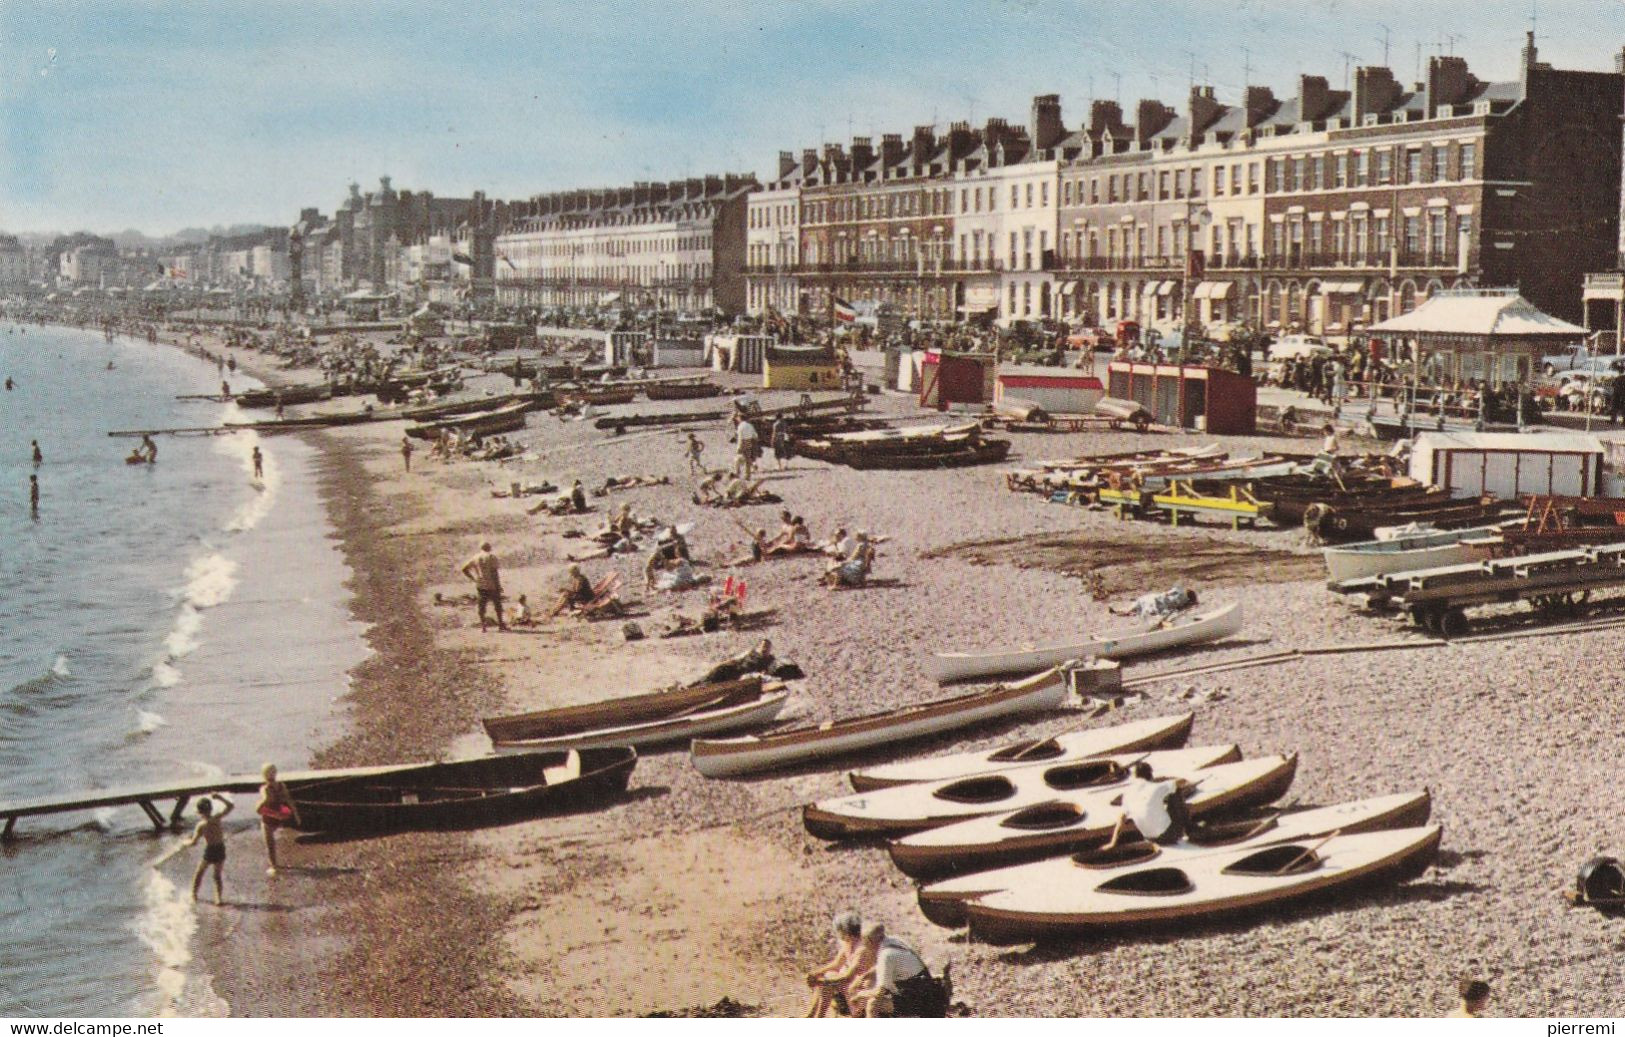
(147, 797)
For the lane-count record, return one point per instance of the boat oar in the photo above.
(1305, 855)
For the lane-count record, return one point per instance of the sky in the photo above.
(157, 116)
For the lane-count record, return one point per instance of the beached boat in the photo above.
(986, 451)
(1077, 821)
(1198, 628)
(291, 395)
(681, 390)
(599, 397)
(1237, 883)
(508, 418)
(465, 793)
(930, 804)
(1158, 733)
(944, 902)
(642, 720)
(718, 758)
(1422, 549)
(456, 408)
(1361, 521)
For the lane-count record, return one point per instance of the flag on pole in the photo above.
(504, 257)
(844, 311)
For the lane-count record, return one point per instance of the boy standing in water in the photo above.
(259, 464)
(214, 844)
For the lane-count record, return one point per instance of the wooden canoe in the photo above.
(1239, 883)
(1081, 821)
(1159, 733)
(1424, 550)
(944, 902)
(507, 418)
(466, 793)
(717, 758)
(642, 720)
(930, 804)
(291, 396)
(987, 451)
(1200, 628)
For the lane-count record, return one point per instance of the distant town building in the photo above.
(672, 246)
(14, 264)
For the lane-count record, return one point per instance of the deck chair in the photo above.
(606, 598)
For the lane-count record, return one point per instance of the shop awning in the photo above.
(1212, 290)
(1342, 288)
(1166, 288)
(1150, 288)
(1069, 287)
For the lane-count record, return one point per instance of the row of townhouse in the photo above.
(1325, 211)
(671, 246)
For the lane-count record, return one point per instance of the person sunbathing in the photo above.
(577, 592)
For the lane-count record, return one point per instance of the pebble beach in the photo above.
(691, 890)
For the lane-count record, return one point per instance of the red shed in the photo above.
(951, 378)
(1227, 401)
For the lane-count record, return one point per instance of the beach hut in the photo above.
(743, 353)
(949, 380)
(1208, 398)
(625, 349)
(1510, 464)
(1058, 390)
(679, 352)
(800, 367)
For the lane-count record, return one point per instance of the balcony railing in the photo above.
(1290, 261)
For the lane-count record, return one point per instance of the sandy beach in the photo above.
(690, 890)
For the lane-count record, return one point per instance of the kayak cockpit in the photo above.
(1153, 882)
(1045, 816)
(989, 788)
(1087, 774)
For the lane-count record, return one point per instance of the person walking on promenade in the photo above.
(275, 809)
(213, 836)
(484, 570)
(406, 452)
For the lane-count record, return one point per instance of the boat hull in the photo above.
(946, 667)
(755, 713)
(731, 757)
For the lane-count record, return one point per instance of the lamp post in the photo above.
(1197, 219)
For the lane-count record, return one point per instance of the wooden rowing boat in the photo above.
(642, 720)
(1200, 628)
(1159, 733)
(1421, 550)
(1236, 883)
(508, 418)
(931, 804)
(290, 396)
(1077, 821)
(987, 451)
(733, 756)
(944, 902)
(465, 793)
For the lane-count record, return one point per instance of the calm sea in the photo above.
(151, 628)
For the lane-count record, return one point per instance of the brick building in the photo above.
(1334, 209)
(671, 246)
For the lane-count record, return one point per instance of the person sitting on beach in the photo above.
(148, 450)
(899, 985)
(578, 497)
(209, 830)
(831, 981)
(1475, 997)
(708, 491)
(521, 613)
(577, 591)
(1156, 808)
(275, 809)
(785, 534)
(854, 571)
(840, 545)
(622, 525)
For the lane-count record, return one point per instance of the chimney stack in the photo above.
(1203, 111)
(1046, 127)
(1448, 82)
(924, 144)
(1260, 102)
(891, 149)
(1151, 118)
(787, 163)
(1375, 91)
(863, 155)
(1104, 117)
(1313, 98)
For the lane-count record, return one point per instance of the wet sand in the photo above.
(690, 890)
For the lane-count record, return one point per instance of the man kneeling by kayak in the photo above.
(900, 986)
(1156, 808)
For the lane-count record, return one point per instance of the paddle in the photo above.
(1305, 855)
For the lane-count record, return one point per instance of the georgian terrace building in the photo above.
(1337, 209)
(672, 246)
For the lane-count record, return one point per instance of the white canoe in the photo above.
(1158, 733)
(1408, 553)
(717, 758)
(944, 902)
(927, 804)
(1231, 884)
(1210, 625)
(678, 728)
(1068, 823)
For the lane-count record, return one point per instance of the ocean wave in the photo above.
(241, 447)
(183, 639)
(60, 667)
(209, 581)
(147, 722)
(165, 675)
(166, 927)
